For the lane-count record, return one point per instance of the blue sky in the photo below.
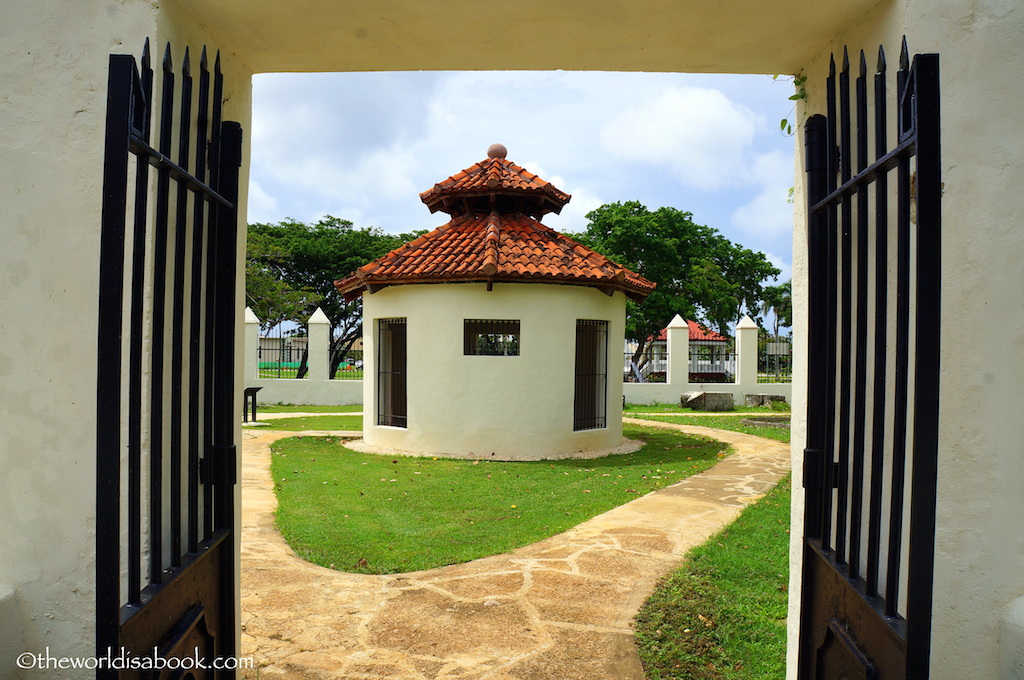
(361, 146)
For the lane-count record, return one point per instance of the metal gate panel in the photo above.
(873, 387)
(165, 382)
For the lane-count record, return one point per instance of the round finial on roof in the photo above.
(497, 151)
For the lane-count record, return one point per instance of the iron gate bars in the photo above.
(179, 262)
(874, 341)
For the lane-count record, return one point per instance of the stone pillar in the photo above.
(319, 333)
(746, 354)
(251, 354)
(677, 337)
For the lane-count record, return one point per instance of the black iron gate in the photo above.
(873, 366)
(165, 553)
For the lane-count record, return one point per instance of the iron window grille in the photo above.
(391, 373)
(590, 403)
(491, 337)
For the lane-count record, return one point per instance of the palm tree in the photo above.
(779, 299)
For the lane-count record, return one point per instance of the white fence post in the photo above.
(746, 354)
(677, 337)
(251, 356)
(319, 332)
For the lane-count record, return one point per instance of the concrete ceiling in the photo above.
(724, 36)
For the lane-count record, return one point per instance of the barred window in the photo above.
(491, 337)
(391, 367)
(590, 404)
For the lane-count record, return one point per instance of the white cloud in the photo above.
(782, 263)
(262, 207)
(573, 218)
(768, 215)
(699, 134)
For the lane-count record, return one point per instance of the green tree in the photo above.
(272, 299)
(779, 300)
(701, 275)
(291, 268)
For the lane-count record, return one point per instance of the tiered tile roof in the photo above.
(494, 237)
(495, 176)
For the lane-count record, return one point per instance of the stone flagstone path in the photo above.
(559, 609)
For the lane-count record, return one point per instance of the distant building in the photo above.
(711, 356)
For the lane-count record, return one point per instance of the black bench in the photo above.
(250, 393)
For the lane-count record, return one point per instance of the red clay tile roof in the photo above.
(495, 248)
(495, 176)
(494, 236)
(700, 332)
(697, 332)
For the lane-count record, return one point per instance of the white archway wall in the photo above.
(493, 406)
(740, 36)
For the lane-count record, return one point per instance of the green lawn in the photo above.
(722, 616)
(378, 514)
(306, 408)
(313, 423)
(724, 423)
(676, 408)
(283, 373)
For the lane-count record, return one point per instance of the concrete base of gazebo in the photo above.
(627, 446)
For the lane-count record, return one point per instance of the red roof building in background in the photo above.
(495, 236)
(698, 332)
(701, 332)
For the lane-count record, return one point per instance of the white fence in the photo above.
(677, 373)
(317, 388)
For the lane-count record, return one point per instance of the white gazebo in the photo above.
(494, 336)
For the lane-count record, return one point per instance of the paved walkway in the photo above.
(559, 609)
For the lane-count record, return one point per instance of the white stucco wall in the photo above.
(53, 64)
(739, 36)
(305, 391)
(493, 406)
(979, 568)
